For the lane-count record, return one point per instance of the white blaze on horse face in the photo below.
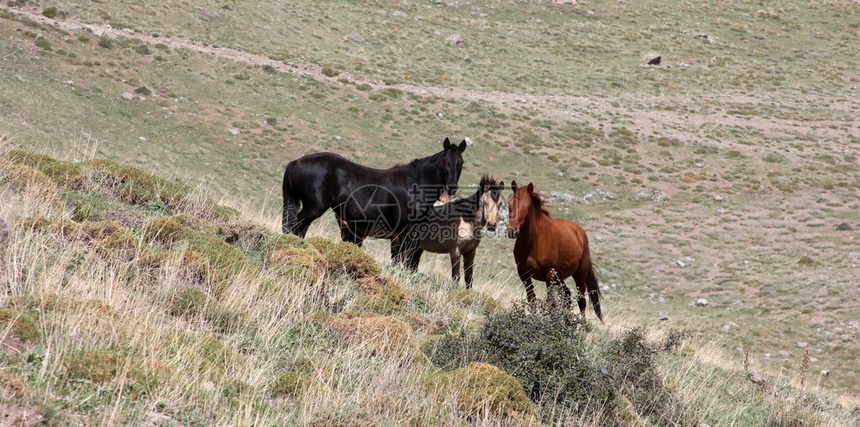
(490, 208)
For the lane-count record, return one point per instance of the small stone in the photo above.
(802, 344)
(726, 328)
(680, 263)
(756, 379)
(701, 302)
(455, 39)
(825, 373)
(234, 131)
(127, 96)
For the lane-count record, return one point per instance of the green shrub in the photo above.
(64, 174)
(43, 43)
(349, 417)
(632, 370)
(95, 366)
(105, 42)
(328, 71)
(466, 298)
(292, 384)
(806, 260)
(543, 348)
(188, 302)
(210, 260)
(24, 327)
(50, 12)
(133, 185)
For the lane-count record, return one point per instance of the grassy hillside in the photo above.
(729, 172)
(131, 299)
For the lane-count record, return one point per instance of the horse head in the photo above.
(452, 165)
(520, 205)
(490, 201)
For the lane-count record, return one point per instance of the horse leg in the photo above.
(581, 292)
(455, 267)
(414, 257)
(396, 244)
(305, 217)
(566, 299)
(468, 266)
(347, 234)
(526, 278)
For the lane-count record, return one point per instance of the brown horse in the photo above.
(550, 250)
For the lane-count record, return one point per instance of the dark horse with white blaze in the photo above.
(368, 202)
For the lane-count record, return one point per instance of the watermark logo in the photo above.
(373, 207)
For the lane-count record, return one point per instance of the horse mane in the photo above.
(538, 202)
(488, 179)
(418, 167)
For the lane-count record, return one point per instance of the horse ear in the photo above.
(531, 188)
(446, 144)
(463, 146)
(514, 186)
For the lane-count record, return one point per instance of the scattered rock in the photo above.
(127, 96)
(721, 210)
(455, 39)
(570, 2)
(825, 373)
(655, 195)
(652, 58)
(603, 195)
(234, 131)
(802, 344)
(756, 379)
(701, 302)
(680, 263)
(662, 317)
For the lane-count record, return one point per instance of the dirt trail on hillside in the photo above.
(555, 106)
(303, 69)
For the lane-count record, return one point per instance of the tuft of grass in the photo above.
(21, 325)
(292, 384)
(381, 294)
(483, 390)
(346, 258)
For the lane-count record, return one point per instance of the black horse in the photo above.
(381, 203)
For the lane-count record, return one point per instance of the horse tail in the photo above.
(291, 202)
(593, 288)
